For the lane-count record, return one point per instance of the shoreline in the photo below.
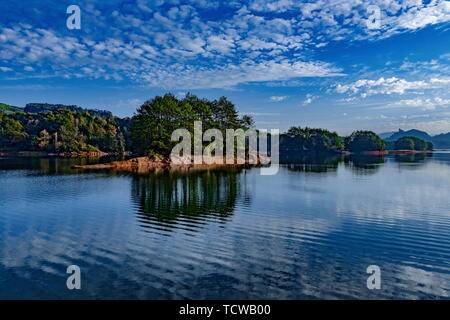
(99, 154)
(409, 151)
(145, 164)
(386, 152)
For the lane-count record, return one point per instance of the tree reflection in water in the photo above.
(362, 164)
(413, 158)
(314, 163)
(186, 200)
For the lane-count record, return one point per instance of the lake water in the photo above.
(308, 232)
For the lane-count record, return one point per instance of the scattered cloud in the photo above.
(180, 45)
(309, 99)
(277, 98)
(116, 59)
(424, 104)
(178, 76)
(160, 43)
(388, 86)
(421, 15)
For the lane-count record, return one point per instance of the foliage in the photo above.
(360, 141)
(61, 128)
(156, 119)
(412, 143)
(301, 140)
(217, 192)
(60, 131)
(12, 132)
(6, 108)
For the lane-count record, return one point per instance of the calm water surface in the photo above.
(308, 232)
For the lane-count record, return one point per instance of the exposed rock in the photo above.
(146, 164)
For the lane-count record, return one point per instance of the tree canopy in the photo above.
(361, 141)
(156, 119)
(412, 143)
(61, 131)
(62, 128)
(301, 140)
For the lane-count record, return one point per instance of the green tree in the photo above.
(360, 141)
(61, 130)
(412, 143)
(12, 132)
(405, 143)
(311, 140)
(152, 126)
(154, 123)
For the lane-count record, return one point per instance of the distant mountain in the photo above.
(6, 108)
(441, 141)
(46, 107)
(386, 135)
(410, 133)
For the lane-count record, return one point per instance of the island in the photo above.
(68, 130)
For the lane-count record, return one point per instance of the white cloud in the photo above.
(272, 5)
(278, 98)
(309, 99)
(388, 86)
(220, 44)
(424, 104)
(5, 69)
(178, 76)
(178, 44)
(421, 16)
(175, 65)
(338, 19)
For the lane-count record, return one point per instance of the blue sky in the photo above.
(286, 62)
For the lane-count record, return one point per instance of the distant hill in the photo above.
(441, 141)
(6, 108)
(410, 133)
(386, 135)
(46, 107)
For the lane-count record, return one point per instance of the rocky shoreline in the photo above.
(146, 164)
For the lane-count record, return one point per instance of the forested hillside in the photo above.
(58, 128)
(62, 131)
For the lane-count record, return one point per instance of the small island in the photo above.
(72, 131)
(411, 144)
